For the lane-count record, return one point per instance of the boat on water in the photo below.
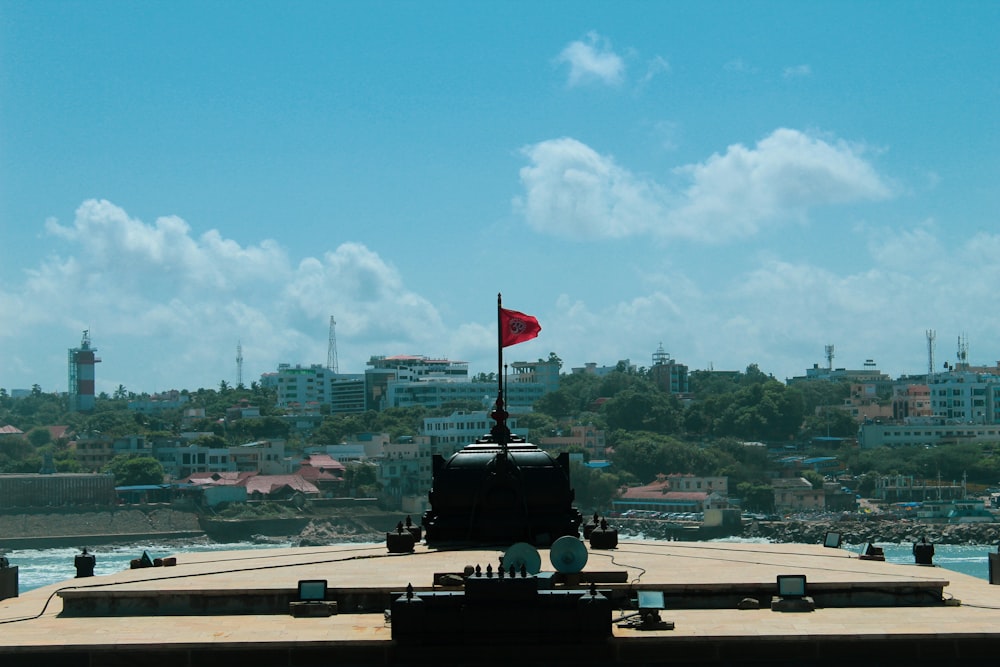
(501, 569)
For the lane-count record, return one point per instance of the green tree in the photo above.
(361, 479)
(39, 436)
(635, 409)
(257, 428)
(756, 497)
(539, 425)
(813, 478)
(17, 454)
(131, 470)
(829, 421)
(594, 489)
(762, 411)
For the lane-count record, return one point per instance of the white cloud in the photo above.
(782, 177)
(780, 313)
(571, 190)
(739, 65)
(592, 60)
(797, 71)
(173, 306)
(654, 67)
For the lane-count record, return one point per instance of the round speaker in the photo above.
(522, 553)
(568, 554)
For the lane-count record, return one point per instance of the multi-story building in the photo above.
(403, 370)
(591, 368)
(868, 375)
(93, 451)
(544, 373)
(906, 488)
(404, 381)
(302, 388)
(689, 482)
(668, 374)
(797, 494)
(588, 437)
(911, 400)
(180, 462)
(863, 403)
(404, 473)
(519, 397)
(148, 405)
(924, 433)
(676, 493)
(447, 435)
(264, 456)
(965, 397)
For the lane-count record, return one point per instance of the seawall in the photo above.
(78, 527)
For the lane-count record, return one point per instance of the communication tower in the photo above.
(331, 349)
(239, 363)
(931, 335)
(829, 357)
(963, 353)
(81, 375)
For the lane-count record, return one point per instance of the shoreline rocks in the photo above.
(852, 531)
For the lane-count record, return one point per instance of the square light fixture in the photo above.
(791, 585)
(651, 600)
(312, 590)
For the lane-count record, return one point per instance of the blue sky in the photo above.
(743, 182)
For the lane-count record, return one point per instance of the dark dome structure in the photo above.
(501, 490)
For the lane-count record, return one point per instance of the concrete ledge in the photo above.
(793, 604)
(152, 601)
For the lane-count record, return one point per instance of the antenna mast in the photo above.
(931, 335)
(829, 357)
(331, 348)
(239, 364)
(963, 352)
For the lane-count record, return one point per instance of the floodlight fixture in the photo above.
(791, 585)
(651, 600)
(312, 590)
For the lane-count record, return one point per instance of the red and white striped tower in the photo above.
(81, 375)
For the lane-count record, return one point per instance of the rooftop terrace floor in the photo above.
(948, 618)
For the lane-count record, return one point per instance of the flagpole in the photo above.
(501, 435)
(499, 345)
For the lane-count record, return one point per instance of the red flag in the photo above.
(516, 327)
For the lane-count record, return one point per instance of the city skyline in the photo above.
(743, 182)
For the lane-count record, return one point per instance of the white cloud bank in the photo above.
(571, 190)
(592, 60)
(180, 303)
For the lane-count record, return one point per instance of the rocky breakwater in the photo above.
(342, 530)
(852, 531)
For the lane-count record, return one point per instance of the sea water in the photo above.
(41, 567)
(964, 558)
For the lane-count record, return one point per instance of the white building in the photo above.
(264, 456)
(181, 462)
(920, 433)
(965, 397)
(449, 434)
(304, 388)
